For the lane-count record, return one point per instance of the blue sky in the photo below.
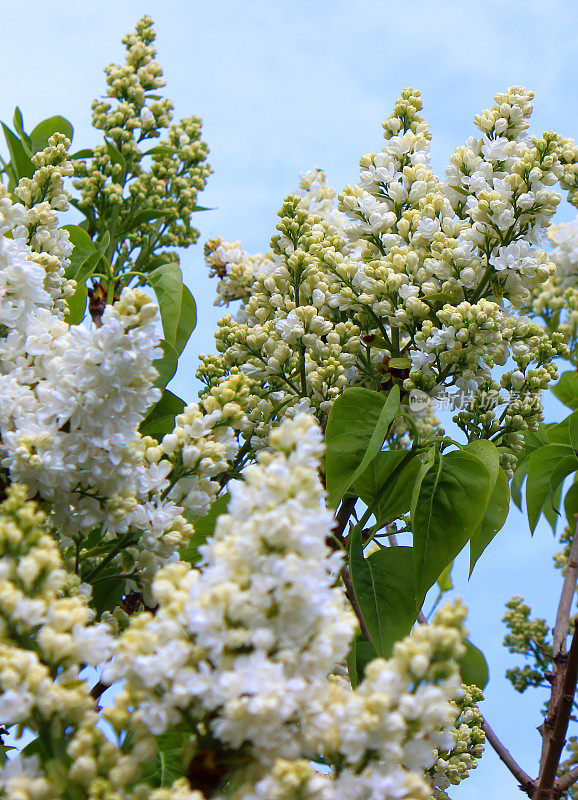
(285, 86)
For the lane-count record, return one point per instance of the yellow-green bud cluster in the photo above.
(151, 201)
(529, 638)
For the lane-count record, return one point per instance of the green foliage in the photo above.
(168, 763)
(359, 656)
(450, 500)
(547, 468)
(566, 390)
(204, 527)
(387, 484)
(498, 504)
(384, 590)
(474, 667)
(176, 304)
(161, 418)
(356, 429)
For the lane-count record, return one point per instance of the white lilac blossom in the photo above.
(72, 398)
(245, 649)
(237, 660)
(410, 268)
(165, 163)
(555, 302)
(252, 635)
(47, 637)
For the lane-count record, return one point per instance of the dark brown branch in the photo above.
(97, 691)
(525, 782)
(566, 781)
(342, 517)
(562, 627)
(562, 718)
(559, 658)
(350, 594)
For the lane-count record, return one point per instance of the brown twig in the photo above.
(350, 594)
(566, 781)
(342, 517)
(557, 740)
(559, 657)
(525, 782)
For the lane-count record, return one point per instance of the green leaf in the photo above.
(444, 581)
(571, 502)
(103, 243)
(148, 214)
(532, 441)
(167, 765)
(161, 418)
(83, 248)
(399, 363)
(115, 155)
(167, 365)
(387, 484)
(108, 590)
(85, 153)
(384, 590)
(541, 466)
(552, 509)
(359, 656)
(19, 125)
(160, 150)
(474, 667)
(563, 468)
(44, 130)
(566, 390)
(494, 518)
(176, 304)
(439, 298)
(187, 320)
(516, 483)
(77, 305)
(21, 162)
(356, 429)
(573, 430)
(204, 528)
(88, 267)
(558, 433)
(499, 500)
(449, 503)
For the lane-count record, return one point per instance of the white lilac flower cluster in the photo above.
(555, 302)
(453, 766)
(237, 269)
(44, 196)
(72, 398)
(296, 351)
(442, 258)
(47, 638)
(242, 652)
(412, 280)
(263, 613)
(236, 662)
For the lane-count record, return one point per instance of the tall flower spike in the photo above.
(151, 201)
